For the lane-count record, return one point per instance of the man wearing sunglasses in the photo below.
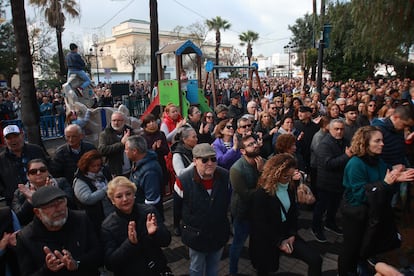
(204, 190)
(14, 159)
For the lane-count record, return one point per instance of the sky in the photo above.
(269, 18)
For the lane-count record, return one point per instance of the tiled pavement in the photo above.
(177, 253)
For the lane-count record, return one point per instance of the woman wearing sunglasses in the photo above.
(226, 144)
(37, 176)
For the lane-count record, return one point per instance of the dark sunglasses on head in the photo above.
(35, 171)
(206, 159)
(246, 126)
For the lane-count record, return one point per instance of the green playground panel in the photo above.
(168, 90)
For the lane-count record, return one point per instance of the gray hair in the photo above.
(138, 142)
(74, 126)
(338, 120)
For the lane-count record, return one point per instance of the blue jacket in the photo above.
(393, 152)
(74, 61)
(147, 176)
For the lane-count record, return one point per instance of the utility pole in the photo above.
(320, 50)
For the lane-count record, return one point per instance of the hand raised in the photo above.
(132, 233)
(151, 224)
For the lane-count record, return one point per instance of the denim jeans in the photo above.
(241, 232)
(82, 75)
(204, 263)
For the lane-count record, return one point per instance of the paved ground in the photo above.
(177, 253)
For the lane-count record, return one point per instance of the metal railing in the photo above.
(51, 127)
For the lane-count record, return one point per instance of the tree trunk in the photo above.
(133, 74)
(62, 66)
(30, 108)
(155, 42)
(218, 41)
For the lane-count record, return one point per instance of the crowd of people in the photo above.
(233, 170)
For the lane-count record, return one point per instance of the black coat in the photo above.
(111, 147)
(65, 161)
(13, 169)
(268, 231)
(124, 258)
(332, 160)
(77, 236)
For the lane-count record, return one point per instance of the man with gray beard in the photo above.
(58, 241)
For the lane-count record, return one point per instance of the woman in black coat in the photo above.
(274, 224)
(134, 234)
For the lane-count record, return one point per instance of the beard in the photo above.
(49, 222)
(253, 154)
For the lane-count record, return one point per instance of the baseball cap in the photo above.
(203, 150)
(11, 129)
(45, 195)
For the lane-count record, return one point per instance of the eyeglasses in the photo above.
(206, 159)
(371, 105)
(36, 171)
(209, 117)
(251, 144)
(229, 127)
(246, 126)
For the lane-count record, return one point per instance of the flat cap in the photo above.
(203, 150)
(45, 195)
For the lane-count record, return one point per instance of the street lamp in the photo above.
(288, 48)
(95, 46)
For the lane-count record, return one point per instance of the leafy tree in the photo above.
(216, 24)
(303, 38)
(54, 11)
(30, 108)
(8, 55)
(382, 27)
(247, 38)
(133, 55)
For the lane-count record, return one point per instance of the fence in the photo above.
(50, 126)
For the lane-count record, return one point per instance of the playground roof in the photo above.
(179, 48)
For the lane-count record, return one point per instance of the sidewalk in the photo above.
(177, 253)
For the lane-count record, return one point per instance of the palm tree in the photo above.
(30, 108)
(54, 13)
(248, 38)
(155, 42)
(217, 24)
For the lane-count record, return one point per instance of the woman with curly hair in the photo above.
(274, 225)
(365, 172)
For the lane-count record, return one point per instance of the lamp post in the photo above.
(288, 48)
(95, 46)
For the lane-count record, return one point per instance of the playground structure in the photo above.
(180, 92)
(210, 77)
(184, 93)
